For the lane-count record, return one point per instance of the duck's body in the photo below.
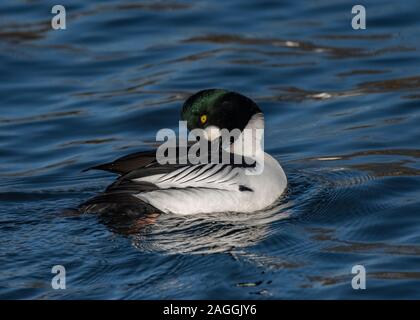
(215, 188)
(196, 188)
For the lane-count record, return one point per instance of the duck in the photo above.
(147, 185)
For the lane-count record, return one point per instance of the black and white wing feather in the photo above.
(169, 187)
(208, 176)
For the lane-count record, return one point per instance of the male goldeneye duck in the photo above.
(147, 186)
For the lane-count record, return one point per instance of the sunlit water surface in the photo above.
(342, 117)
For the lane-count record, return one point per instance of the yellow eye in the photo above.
(203, 119)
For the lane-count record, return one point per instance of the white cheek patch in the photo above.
(212, 132)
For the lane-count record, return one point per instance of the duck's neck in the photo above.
(250, 142)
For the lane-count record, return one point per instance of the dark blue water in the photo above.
(342, 117)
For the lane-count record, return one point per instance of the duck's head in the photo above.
(217, 109)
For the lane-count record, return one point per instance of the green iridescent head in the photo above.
(220, 108)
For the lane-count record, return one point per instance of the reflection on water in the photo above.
(208, 233)
(341, 110)
(198, 234)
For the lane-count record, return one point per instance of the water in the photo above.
(342, 117)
